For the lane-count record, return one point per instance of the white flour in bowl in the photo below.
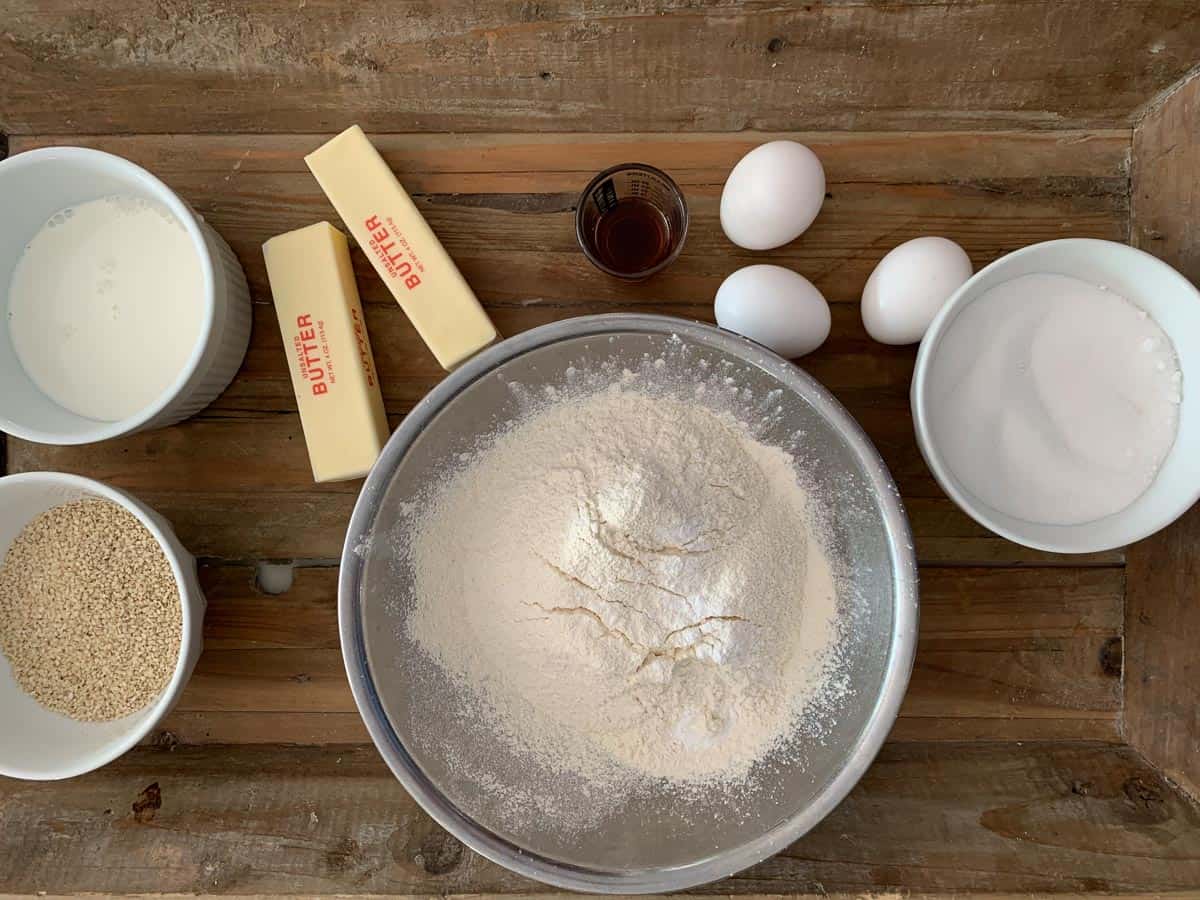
(628, 583)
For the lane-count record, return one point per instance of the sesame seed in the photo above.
(90, 615)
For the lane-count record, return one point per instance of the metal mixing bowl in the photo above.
(657, 839)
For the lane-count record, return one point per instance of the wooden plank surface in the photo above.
(1165, 189)
(503, 204)
(1017, 648)
(1162, 616)
(315, 65)
(926, 817)
(1003, 655)
(512, 233)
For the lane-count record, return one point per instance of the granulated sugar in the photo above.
(90, 617)
(628, 583)
(1054, 400)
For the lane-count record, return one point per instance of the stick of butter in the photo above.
(402, 247)
(329, 356)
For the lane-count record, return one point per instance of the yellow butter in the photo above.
(329, 355)
(402, 247)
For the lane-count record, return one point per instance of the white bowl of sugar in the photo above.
(122, 309)
(101, 619)
(1054, 396)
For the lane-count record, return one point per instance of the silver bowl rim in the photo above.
(901, 653)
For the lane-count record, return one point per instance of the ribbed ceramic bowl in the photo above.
(34, 186)
(39, 744)
(656, 839)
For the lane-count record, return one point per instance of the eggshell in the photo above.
(772, 195)
(910, 285)
(774, 306)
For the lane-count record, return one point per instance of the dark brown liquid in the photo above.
(633, 236)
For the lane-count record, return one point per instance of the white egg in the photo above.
(910, 285)
(772, 195)
(774, 306)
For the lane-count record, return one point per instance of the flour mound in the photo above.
(627, 583)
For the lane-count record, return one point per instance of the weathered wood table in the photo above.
(1050, 736)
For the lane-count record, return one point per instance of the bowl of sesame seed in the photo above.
(101, 617)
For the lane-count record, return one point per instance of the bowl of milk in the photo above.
(122, 309)
(1055, 399)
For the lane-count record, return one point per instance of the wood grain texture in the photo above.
(170, 65)
(236, 481)
(1162, 616)
(1003, 655)
(498, 162)
(1162, 621)
(503, 204)
(1165, 189)
(1044, 817)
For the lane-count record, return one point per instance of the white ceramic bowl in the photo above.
(43, 745)
(35, 185)
(1173, 302)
